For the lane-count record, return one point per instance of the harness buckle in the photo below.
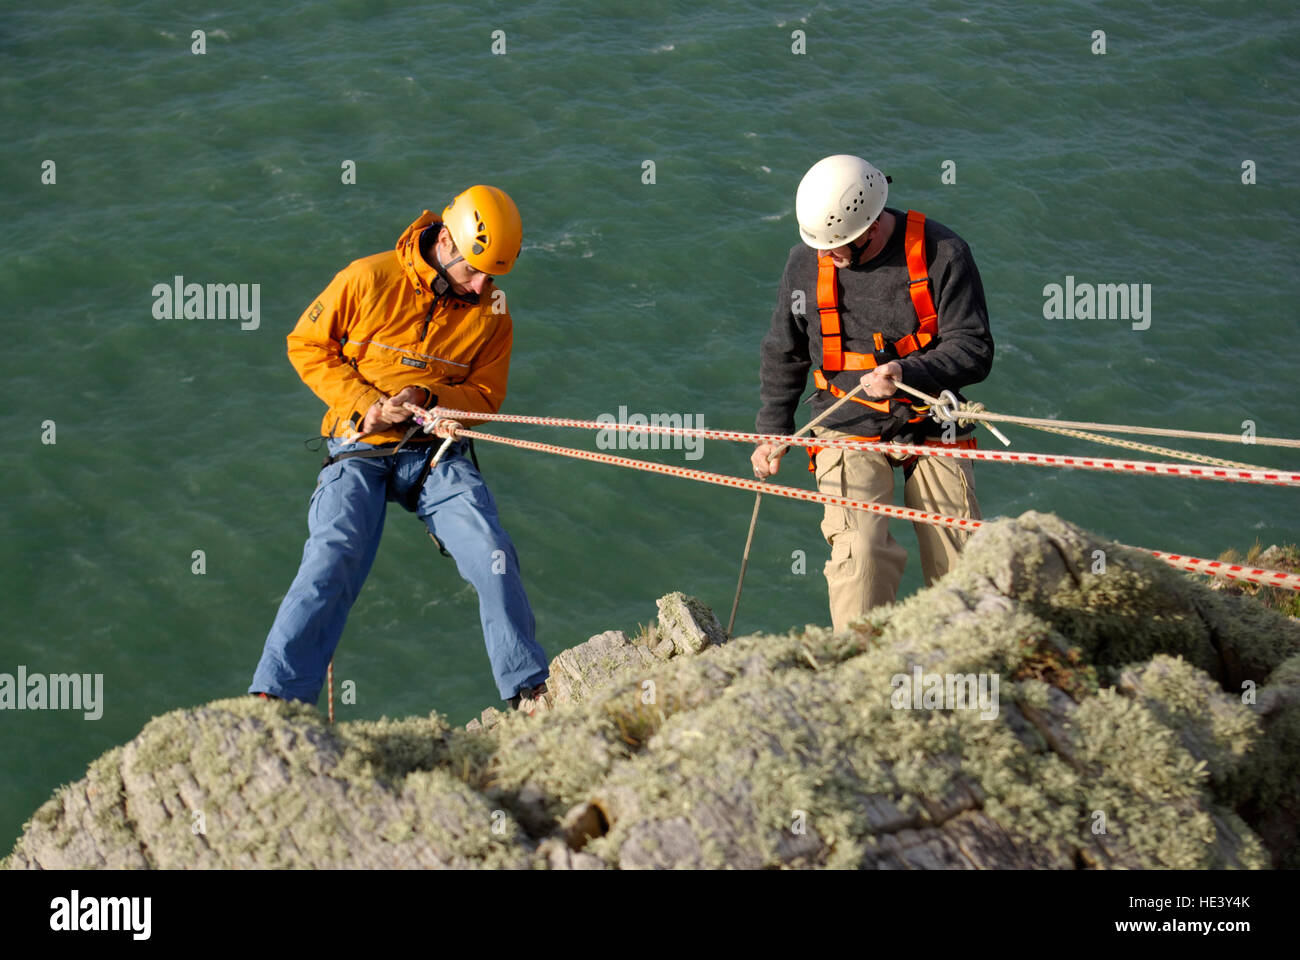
(885, 354)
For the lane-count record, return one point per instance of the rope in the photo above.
(1275, 578)
(773, 456)
(973, 406)
(740, 483)
(1148, 448)
(1140, 467)
(329, 672)
(972, 415)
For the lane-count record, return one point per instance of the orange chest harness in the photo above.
(836, 358)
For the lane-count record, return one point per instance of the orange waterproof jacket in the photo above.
(378, 327)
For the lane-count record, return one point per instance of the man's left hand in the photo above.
(883, 381)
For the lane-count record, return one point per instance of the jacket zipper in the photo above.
(424, 328)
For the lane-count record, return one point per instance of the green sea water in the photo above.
(174, 436)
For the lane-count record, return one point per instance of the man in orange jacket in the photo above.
(422, 324)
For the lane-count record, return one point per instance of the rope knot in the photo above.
(970, 406)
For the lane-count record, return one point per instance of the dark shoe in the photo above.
(528, 698)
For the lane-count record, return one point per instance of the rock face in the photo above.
(1056, 701)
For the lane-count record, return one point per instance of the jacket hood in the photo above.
(420, 274)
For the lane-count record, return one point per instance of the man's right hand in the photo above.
(392, 410)
(762, 468)
(374, 420)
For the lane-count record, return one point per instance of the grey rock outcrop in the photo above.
(1025, 711)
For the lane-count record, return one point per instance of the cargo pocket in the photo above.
(328, 475)
(829, 471)
(839, 568)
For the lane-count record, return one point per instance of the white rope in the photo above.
(965, 414)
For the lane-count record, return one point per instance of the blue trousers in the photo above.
(346, 519)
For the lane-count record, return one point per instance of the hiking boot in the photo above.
(265, 696)
(528, 699)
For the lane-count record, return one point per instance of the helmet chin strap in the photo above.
(856, 259)
(858, 253)
(444, 286)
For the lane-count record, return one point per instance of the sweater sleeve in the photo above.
(963, 353)
(784, 359)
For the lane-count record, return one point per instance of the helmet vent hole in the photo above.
(477, 248)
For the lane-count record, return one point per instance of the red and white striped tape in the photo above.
(1273, 578)
(1230, 571)
(1134, 467)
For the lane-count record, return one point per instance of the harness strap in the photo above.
(918, 283)
(964, 443)
(828, 307)
(834, 356)
(386, 450)
(880, 406)
(413, 495)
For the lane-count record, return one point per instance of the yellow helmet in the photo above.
(484, 223)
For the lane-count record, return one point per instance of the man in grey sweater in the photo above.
(877, 295)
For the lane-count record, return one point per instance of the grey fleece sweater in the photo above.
(874, 297)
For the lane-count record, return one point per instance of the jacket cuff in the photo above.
(916, 376)
(364, 401)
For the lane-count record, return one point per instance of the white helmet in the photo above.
(839, 198)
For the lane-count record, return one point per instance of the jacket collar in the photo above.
(424, 274)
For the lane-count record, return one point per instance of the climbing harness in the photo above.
(835, 358)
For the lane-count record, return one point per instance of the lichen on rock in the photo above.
(1139, 720)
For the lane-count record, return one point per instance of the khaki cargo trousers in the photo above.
(866, 563)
